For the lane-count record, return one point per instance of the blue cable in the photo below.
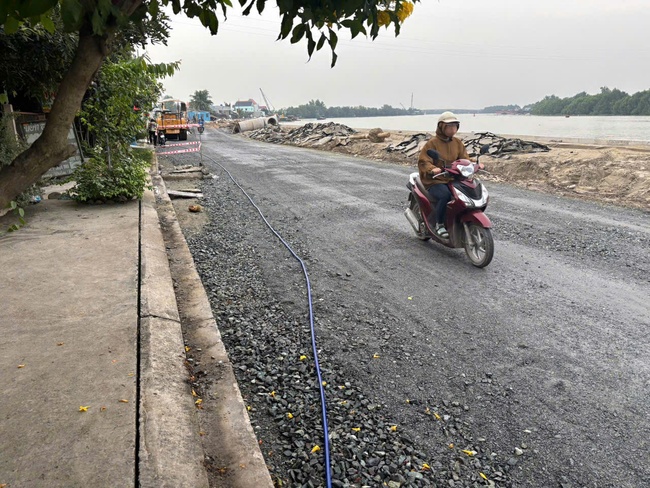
(326, 444)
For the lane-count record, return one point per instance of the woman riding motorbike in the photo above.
(449, 148)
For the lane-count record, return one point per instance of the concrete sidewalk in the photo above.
(94, 387)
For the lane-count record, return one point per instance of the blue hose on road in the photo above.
(326, 443)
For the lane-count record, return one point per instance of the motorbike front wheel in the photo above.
(479, 246)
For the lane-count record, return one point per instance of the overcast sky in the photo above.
(450, 53)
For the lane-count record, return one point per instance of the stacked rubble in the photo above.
(411, 146)
(501, 146)
(312, 135)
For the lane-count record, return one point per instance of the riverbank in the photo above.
(616, 172)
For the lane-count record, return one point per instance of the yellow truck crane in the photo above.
(171, 117)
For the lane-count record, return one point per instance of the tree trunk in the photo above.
(52, 147)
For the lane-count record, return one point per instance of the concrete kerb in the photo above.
(170, 453)
(232, 439)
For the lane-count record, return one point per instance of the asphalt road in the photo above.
(545, 352)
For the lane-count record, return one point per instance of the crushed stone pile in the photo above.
(501, 146)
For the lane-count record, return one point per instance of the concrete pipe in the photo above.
(254, 124)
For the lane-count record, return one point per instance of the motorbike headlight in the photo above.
(465, 199)
(466, 171)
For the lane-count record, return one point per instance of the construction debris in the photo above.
(307, 135)
(410, 146)
(501, 146)
(184, 194)
(187, 172)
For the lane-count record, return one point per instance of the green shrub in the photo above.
(124, 180)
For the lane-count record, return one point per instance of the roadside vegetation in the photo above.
(102, 28)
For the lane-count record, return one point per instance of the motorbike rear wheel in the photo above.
(422, 233)
(480, 245)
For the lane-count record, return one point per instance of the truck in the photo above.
(171, 117)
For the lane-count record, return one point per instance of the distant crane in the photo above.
(266, 101)
(402, 105)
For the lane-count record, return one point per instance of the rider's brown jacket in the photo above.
(449, 149)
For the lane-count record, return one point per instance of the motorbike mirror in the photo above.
(485, 148)
(433, 154)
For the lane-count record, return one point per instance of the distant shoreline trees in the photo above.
(316, 108)
(607, 102)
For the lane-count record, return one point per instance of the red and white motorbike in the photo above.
(467, 225)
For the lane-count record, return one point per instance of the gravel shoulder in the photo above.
(530, 373)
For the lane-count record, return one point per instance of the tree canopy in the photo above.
(99, 23)
(200, 100)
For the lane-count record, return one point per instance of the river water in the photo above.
(592, 128)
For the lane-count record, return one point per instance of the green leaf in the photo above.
(13, 205)
(98, 23)
(154, 7)
(311, 44)
(333, 39)
(11, 25)
(285, 28)
(247, 10)
(48, 24)
(334, 58)
(321, 41)
(21, 211)
(298, 33)
(35, 8)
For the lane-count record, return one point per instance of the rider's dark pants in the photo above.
(441, 193)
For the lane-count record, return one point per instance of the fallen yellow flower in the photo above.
(393, 428)
(356, 429)
(84, 409)
(303, 357)
(436, 416)
(198, 402)
(272, 393)
(124, 401)
(482, 476)
(426, 467)
(315, 449)
(375, 356)
(289, 415)
(187, 348)
(469, 453)
(451, 445)
(21, 366)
